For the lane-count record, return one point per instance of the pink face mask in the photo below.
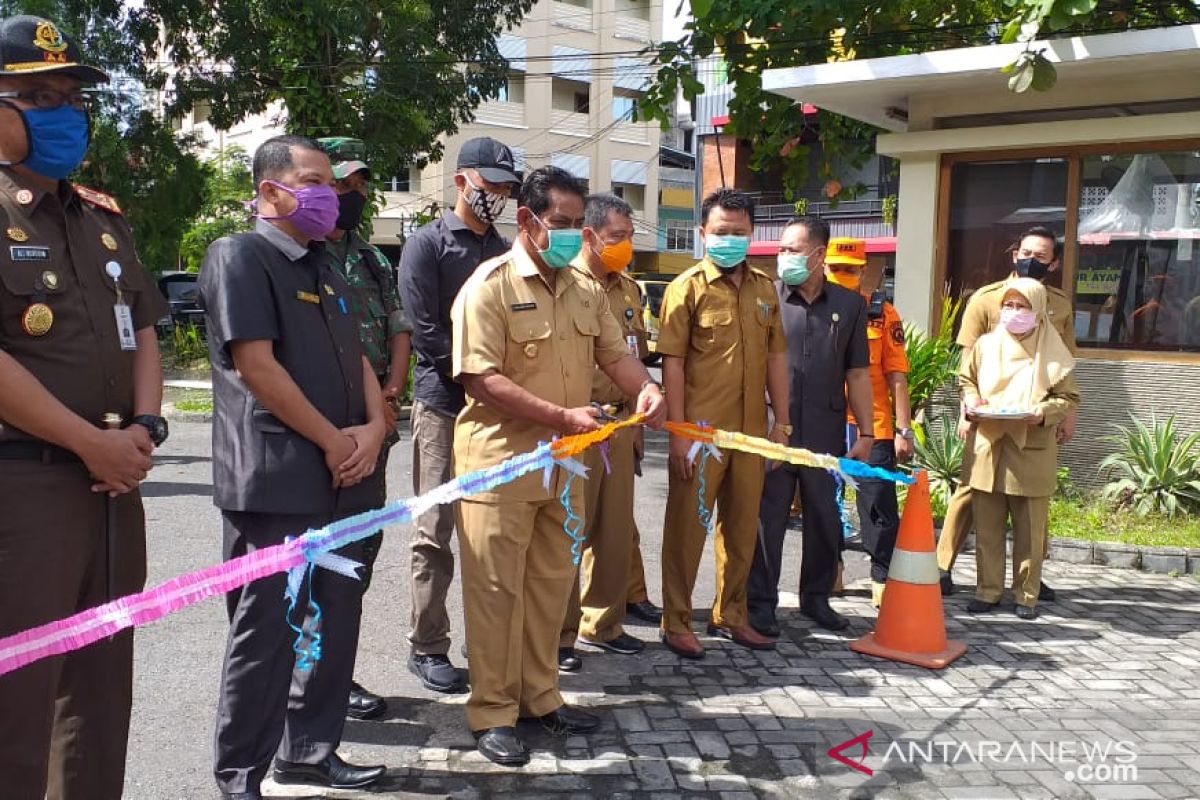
(1018, 321)
(316, 210)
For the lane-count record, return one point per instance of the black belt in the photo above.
(37, 451)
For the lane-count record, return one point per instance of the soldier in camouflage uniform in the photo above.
(384, 329)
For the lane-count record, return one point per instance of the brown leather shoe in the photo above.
(684, 645)
(742, 634)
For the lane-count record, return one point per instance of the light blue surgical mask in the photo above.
(564, 245)
(793, 268)
(726, 251)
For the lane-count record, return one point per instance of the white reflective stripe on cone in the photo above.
(913, 567)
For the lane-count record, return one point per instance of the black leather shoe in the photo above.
(1027, 612)
(241, 796)
(502, 746)
(946, 582)
(1046, 594)
(364, 704)
(645, 611)
(436, 673)
(332, 773)
(977, 606)
(566, 720)
(622, 643)
(568, 661)
(817, 609)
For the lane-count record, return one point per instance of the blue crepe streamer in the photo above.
(707, 516)
(857, 469)
(306, 654)
(573, 524)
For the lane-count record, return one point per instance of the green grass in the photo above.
(1092, 520)
(195, 402)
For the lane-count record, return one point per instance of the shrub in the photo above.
(939, 452)
(932, 360)
(1154, 470)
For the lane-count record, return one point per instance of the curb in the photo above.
(172, 414)
(1145, 558)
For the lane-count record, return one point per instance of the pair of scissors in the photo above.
(606, 412)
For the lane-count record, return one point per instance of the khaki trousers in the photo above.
(957, 525)
(517, 573)
(637, 592)
(598, 606)
(64, 721)
(432, 559)
(1029, 518)
(735, 484)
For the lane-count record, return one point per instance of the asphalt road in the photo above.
(179, 658)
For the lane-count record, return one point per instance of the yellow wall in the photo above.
(677, 198)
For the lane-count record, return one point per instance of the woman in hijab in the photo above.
(1016, 387)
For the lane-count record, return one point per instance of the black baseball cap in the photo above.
(493, 160)
(32, 45)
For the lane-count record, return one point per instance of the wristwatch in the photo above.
(157, 426)
(907, 433)
(787, 429)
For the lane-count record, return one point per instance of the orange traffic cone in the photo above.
(911, 626)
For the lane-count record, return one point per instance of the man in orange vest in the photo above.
(878, 511)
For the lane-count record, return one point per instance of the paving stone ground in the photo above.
(1112, 667)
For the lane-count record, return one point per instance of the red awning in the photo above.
(876, 244)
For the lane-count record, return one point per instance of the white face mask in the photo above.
(486, 205)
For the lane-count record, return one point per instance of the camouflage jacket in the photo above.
(376, 301)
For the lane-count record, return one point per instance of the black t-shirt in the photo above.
(259, 286)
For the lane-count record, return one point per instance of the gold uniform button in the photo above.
(17, 234)
(531, 350)
(50, 280)
(108, 240)
(37, 319)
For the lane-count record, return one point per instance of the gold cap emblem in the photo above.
(50, 280)
(108, 240)
(17, 235)
(24, 197)
(37, 319)
(47, 37)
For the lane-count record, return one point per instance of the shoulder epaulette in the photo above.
(98, 199)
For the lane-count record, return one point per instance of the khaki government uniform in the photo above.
(723, 333)
(516, 558)
(1007, 480)
(982, 315)
(598, 605)
(66, 719)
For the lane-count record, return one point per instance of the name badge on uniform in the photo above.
(631, 342)
(524, 306)
(125, 326)
(29, 253)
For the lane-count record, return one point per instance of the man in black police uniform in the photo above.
(826, 328)
(77, 344)
(298, 423)
(436, 262)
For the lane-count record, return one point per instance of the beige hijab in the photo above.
(1017, 374)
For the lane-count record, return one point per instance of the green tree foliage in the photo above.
(752, 36)
(227, 188)
(395, 73)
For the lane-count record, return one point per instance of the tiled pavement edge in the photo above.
(1113, 664)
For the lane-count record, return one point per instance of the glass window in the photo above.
(631, 193)
(622, 106)
(992, 204)
(1137, 284)
(680, 235)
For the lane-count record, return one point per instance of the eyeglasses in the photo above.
(51, 98)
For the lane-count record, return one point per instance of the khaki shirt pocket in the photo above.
(529, 347)
(714, 329)
(24, 283)
(588, 328)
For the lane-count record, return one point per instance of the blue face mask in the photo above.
(726, 251)
(564, 245)
(58, 140)
(793, 268)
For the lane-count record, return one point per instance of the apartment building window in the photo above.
(633, 8)
(577, 3)
(681, 235)
(570, 96)
(632, 194)
(513, 89)
(401, 182)
(624, 102)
